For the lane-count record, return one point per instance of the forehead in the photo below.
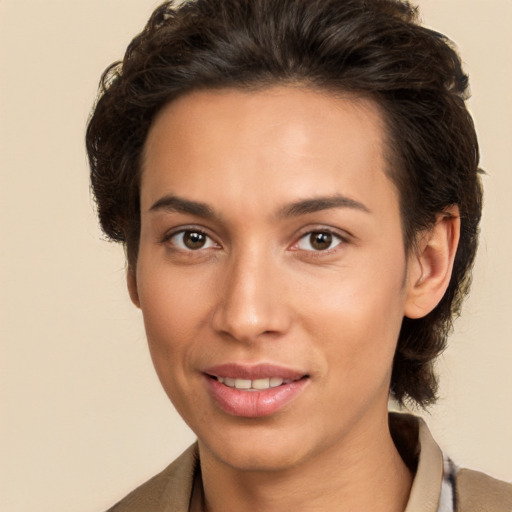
(224, 144)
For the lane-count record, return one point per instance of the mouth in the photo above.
(254, 391)
(255, 384)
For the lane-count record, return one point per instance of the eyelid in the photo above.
(166, 239)
(343, 237)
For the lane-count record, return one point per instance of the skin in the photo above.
(258, 291)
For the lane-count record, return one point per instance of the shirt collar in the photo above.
(416, 444)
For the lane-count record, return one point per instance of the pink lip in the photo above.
(258, 371)
(254, 404)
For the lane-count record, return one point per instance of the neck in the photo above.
(363, 473)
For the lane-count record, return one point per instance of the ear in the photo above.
(430, 264)
(131, 281)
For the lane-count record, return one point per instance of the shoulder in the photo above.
(168, 491)
(478, 492)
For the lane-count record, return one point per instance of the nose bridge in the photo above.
(250, 303)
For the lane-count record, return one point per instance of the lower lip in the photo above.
(254, 404)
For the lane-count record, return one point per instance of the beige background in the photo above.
(83, 418)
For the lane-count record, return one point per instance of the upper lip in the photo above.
(252, 372)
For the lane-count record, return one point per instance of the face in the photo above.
(271, 271)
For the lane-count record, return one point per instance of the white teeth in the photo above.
(275, 381)
(260, 384)
(242, 384)
(256, 384)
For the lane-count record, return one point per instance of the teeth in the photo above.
(260, 384)
(242, 384)
(275, 381)
(256, 384)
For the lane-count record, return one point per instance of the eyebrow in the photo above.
(172, 203)
(318, 204)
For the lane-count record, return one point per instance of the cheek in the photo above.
(170, 319)
(172, 313)
(358, 343)
(357, 318)
(173, 302)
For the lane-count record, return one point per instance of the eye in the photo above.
(191, 240)
(318, 241)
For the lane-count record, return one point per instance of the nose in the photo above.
(251, 301)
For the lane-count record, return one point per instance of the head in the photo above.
(371, 50)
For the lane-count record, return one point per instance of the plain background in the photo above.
(83, 419)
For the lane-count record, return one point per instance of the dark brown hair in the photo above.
(374, 48)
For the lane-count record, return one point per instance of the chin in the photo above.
(256, 458)
(259, 448)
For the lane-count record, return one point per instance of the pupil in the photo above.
(321, 241)
(194, 240)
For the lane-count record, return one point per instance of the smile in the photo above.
(253, 385)
(254, 391)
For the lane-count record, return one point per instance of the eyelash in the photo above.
(168, 238)
(336, 238)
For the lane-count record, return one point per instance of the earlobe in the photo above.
(430, 265)
(131, 281)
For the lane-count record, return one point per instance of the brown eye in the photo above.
(194, 240)
(320, 241)
(190, 240)
(316, 241)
